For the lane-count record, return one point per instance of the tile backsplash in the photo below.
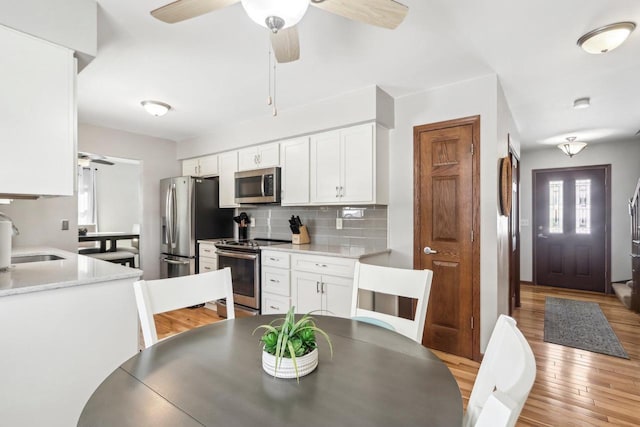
(361, 225)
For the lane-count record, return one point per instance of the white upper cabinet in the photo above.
(228, 166)
(201, 166)
(294, 158)
(258, 157)
(349, 166)
(37, 116)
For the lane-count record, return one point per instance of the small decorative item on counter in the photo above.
(300, 234)
(290, 348)
(243, 221)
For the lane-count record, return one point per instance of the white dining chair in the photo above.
(401, 282)
(504, 380)
(159, 296)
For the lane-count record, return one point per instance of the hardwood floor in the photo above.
(573, 387)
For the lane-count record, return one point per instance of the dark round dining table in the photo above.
(213, 376)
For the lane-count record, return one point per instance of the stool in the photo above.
(119, 257)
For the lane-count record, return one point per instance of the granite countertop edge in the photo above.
(345, 251)
(50, 275)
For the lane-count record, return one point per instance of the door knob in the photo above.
(429, 251)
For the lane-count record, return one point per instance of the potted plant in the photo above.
(290, 348)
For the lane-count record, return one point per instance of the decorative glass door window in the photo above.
(583, 206)
(555, 207)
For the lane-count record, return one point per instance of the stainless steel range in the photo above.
(243, 257)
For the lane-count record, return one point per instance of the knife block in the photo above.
(302, 238)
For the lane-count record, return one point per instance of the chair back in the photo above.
(159, 296)
(505, 378)
(414, 284)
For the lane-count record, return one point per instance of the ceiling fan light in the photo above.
(607, 38)
(289, 11)
(572, 147)
(156, 108)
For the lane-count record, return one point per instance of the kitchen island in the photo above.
(67, 323)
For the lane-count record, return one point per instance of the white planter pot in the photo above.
(306, 365)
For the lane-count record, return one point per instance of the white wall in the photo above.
(482, 97)
(353, 107)
(39, 222)
(69, 23)
(158, 160)
(625, 171)
(119, 201)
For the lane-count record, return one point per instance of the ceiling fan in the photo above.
(281, 16)
(85, 158)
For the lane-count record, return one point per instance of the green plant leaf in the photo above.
(293, 359)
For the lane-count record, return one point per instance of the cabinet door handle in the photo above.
(321, 265)
(274, 281)
(274, 259)
(207, 250)
(341, 191)
(274, 307)
(317, 287)
(207, 268)
(337, 191)
(322, 290)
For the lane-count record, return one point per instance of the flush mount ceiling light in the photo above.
(607, 38)
(572, 147)
(156, 108)
(582, 103)
(276, 14)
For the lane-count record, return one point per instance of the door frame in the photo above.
(607, 230)
(474, 121)
(514, 228)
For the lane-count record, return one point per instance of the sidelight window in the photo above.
(555, 207)
(583, 206)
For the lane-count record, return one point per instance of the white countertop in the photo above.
(73, 270)
(345, 251)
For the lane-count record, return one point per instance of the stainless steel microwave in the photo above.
(258, 186)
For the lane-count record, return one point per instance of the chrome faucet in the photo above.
(13, 227)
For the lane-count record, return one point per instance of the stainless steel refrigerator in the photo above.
(190, 212)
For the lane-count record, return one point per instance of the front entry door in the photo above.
(445, 213)
(571, 220)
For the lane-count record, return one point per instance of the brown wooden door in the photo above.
(444, 211)
(571, 222)
(634, 210)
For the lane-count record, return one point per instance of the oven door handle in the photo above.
(241, 255)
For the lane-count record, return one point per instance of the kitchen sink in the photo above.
(34, 258)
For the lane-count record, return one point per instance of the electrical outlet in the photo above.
(252, 221)
(338, 223)
(65, 224)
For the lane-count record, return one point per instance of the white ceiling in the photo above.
(213, 69)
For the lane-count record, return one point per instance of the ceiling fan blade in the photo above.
(381, 13)
(286, 44)
(185, 9)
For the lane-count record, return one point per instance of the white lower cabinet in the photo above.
(322, 283)
(276, 284)
(207, 257)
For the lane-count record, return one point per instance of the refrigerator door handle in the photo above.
(173, 216)
(167, 214)
(171, 261)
